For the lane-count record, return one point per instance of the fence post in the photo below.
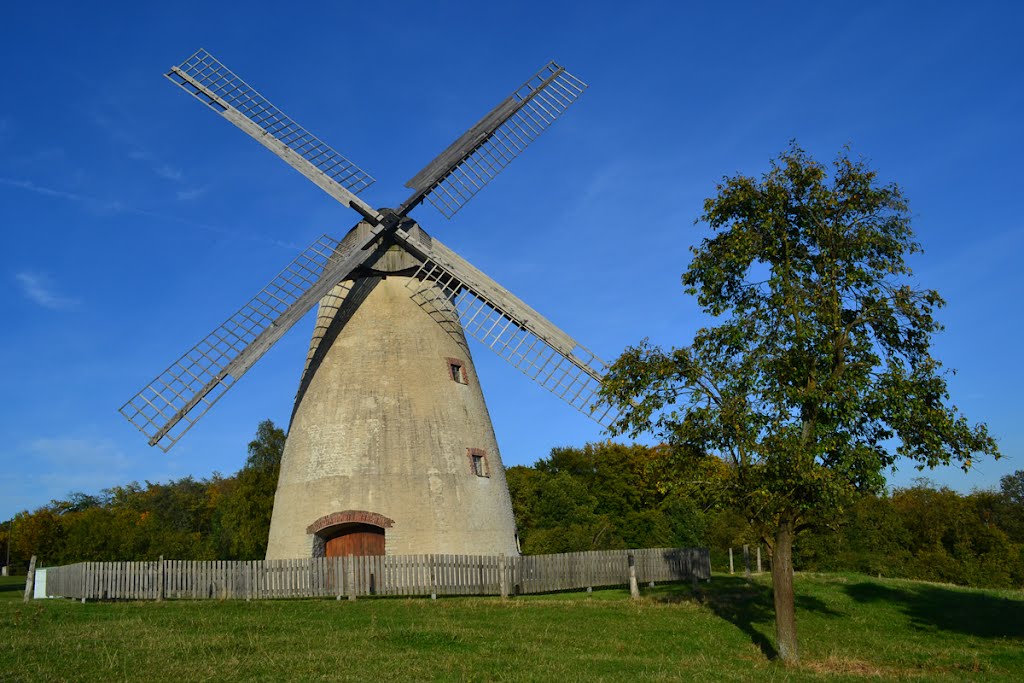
(730, 561)
(746, 561)
(758, 558)
(160, 580)
(503, 580)
(433, 584)
(350, 575)
(30, 579)
(634, 590)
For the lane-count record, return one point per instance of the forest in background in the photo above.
(601, 496)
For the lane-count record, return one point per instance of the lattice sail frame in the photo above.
(232, 90)
(169, 405)
(536, 104)
(573, 374)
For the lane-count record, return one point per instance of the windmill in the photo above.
(390, 449)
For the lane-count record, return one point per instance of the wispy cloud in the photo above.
(118, 206)
(63, 464)
(61, 194)
(76, 452)
(189, 195)
(169, 173)
(39, 289)
(119, 132)
(77, 464)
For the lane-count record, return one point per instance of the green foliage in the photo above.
(219, 518)
(1012, 488)
(245, 506)
(817, 373)
(920, 532)
(602, 496)
(1008, 508)
(574, 500)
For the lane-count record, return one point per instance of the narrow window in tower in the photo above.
(478, 462)
(457, 371)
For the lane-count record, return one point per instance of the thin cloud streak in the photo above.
(38, 289)
(117, 206)
(138, 152)
(169, 173)
(189, 195)
(72, 464)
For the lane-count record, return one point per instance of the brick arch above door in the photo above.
(350, 517)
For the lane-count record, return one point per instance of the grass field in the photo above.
(851, 627)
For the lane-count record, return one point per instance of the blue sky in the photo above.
(134, 220)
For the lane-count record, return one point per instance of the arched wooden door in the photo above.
(356, 539)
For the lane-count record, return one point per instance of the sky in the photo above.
(135, 220)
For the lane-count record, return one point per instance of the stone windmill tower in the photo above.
(390, 448)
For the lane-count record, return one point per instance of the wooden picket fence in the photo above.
(405, 575)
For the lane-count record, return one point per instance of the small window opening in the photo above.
(457, 371)
(478, 462)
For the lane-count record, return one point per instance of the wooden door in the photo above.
(357, 539)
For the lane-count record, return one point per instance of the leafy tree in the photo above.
(40, 533)
(246, 505)
(1011, 486)
(622, 478)
(871, 538)
(817, 373)
(602, 496)
(567, 519)
(522, 487)
(1009, 512)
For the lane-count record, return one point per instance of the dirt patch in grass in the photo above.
(849, 666)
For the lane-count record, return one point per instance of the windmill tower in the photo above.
(390, 449)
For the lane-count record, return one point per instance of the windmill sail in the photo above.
(509, 327)
(472, 161)
(169, 405)
(213, 84)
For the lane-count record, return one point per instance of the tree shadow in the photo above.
(743, 604)
(20, 587)
(930, 606)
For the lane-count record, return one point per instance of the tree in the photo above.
(817, 373)
(602, 496)
(246, 506)
(1011, 512)
(1012, 487)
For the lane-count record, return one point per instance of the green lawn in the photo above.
(851, 628)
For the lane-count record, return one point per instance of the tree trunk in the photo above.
(782, 592)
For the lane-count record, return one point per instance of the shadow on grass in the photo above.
(19, 587)
(937, 607)
(745, 605)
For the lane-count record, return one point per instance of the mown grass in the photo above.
(851, 628)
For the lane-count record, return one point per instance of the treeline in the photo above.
(600, 496)
(216, 518)
(614, 496)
